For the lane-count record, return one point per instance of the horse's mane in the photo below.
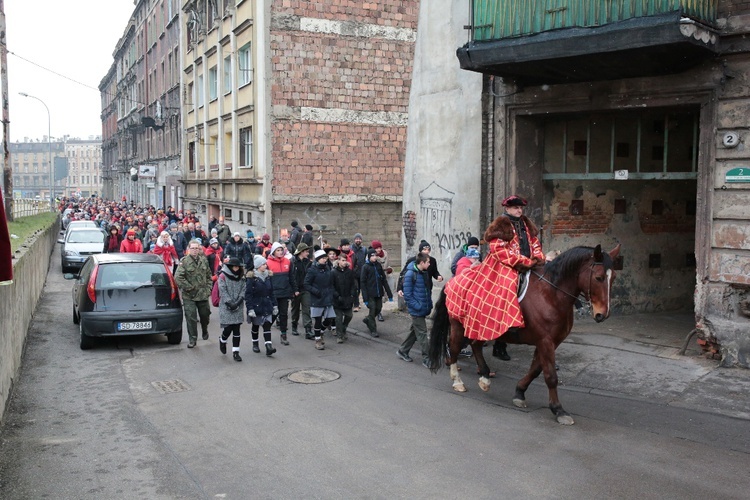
(569, 262)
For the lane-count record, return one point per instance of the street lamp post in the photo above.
(49, 143)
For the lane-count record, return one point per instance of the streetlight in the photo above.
(49, 142)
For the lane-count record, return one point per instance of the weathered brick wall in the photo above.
(384, 12)
(728, 8)
(341, 75)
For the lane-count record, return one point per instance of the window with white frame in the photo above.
(213, 83)
(227, 74)
(245, 65)
(246, 147)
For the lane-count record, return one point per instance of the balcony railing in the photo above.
(497, 19)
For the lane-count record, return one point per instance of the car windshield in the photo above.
(86, 236)
(132, 275)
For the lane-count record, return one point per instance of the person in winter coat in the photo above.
(231, 284)
(418, 297)
(471, 259)
(214, 255)
(113, 240)
(195, 280)
(260, 303)
(472, 242)
(301, 301)
(222, 231)
(166, 250)
(307, 235)
(374, 288)
(265, 245)
(360, 257)
(131, 244)
(284, 285)
(296, 236)
(178, 238)
(237, 247)
(319, 282)
(344, 293)
(432, 270)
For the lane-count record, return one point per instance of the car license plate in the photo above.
(134, 325)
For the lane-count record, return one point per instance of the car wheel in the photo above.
(86, 341)
(174, 337)
(76, 318)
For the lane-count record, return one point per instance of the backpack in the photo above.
(400, 284)
(215, 299)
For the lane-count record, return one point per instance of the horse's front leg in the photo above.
(519, 399)
(484, 369)
(455, 343)
(547, 361)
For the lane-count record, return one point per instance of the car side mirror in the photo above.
(61, 241)
(70, 276)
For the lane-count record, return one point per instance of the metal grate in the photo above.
(169, 386)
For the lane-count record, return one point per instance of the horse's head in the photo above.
(598, 284)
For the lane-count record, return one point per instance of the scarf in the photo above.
(523, 238)
(263, 276)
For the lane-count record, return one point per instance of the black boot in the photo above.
(269, 349)
(255, 346)
(236, 356)
(499, 351)
(222, 346)
(309, 335)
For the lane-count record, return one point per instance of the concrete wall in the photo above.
(17, 304)
(443, 172)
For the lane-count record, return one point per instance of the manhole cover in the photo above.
(168, 386)
(313, 376)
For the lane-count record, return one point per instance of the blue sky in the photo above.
(75, 38)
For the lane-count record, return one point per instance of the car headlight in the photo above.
(71, 253)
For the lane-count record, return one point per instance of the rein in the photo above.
(586, 296)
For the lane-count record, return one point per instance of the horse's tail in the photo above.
(441, 327)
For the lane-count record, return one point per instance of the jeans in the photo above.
(301, 306)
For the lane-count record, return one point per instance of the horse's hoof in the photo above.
(459, 387)
(565, 420)
(484, 383)
(520, 403)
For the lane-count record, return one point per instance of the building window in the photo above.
(246, 147)
(200, 91)
(213, 83)
(227, 74)
(191, 157)
(245, 65)
(227, 214)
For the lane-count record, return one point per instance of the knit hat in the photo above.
(237, 233)
(131, 231)
(258, 261)
(214, 232)
(473, 241)
(358, 235)
(308, 227)
(173, 225)
(212, 241)
(472, 253)
(319, 254)
(371, 252)
(345, 241)
(423, 244)
(266, 237)
(250, 233)
(376, 244)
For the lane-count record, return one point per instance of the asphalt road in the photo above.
(95, 424)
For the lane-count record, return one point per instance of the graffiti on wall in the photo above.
(452, 241)
(436, 207)
(410, 227)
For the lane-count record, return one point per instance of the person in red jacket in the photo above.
(214, 255)
(131, 244)
(165, 248)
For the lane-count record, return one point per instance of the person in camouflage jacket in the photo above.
(195, 280)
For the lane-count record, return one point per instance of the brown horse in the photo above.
(548, 314)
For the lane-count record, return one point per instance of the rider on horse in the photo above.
(484, 298)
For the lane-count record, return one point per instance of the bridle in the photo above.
(586, 294)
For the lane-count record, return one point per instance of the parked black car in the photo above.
(125, 294)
